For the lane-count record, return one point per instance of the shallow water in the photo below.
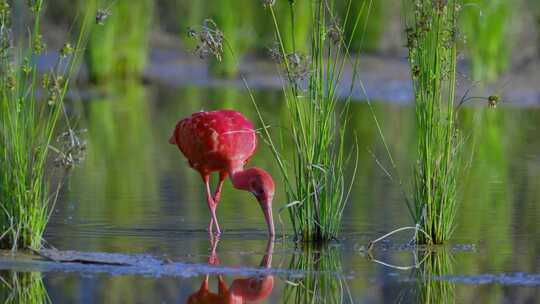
(134, 194)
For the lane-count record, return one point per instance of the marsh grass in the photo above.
(431, 40)
(315, 174)
(323, 281)
(30, 108)
(118, 44)
(485, 25)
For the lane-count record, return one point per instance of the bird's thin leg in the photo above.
(211, 206)
(217, 197)
(217, 194)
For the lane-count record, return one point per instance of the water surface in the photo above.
(135, 194)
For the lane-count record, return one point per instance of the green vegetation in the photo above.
(28, 119)
(485, 25)
(23, 287)
(118, 44)
(316, 190)
(431, 39)
(323, 282)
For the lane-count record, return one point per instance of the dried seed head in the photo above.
(26, 68)
(440, 5)
(35, 5)
(101, 15)
(58, 82)
(38, 45)
(191, 32)
(11, 82)
(66, 50)
(493, 100)
(53, 97)
(275, 54)
(335, 34)
(298, 67)
(5, 41)
(71, 150)
(416, 71)
(268, 3)
(45, 81)
(210, 40)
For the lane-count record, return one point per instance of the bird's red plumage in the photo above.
(216, 140)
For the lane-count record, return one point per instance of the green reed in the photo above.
(431, 38)
(30, 107)
(485, 25)
(323, 281)
(314, 175)
(118, 48)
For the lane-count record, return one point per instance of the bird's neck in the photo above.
(240, 178)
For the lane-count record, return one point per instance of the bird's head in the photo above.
(261, 185)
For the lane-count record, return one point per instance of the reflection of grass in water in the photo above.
(488, 184)
(429, 289)
(485, 25)
(23, 287)
(431, 39)
(119, 167)
(322, 282)
(119, 47)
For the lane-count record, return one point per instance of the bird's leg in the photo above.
(211, 206)
(217, 197)
(217, 194)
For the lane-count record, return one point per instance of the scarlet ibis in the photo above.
(243, 290)
(223, 141)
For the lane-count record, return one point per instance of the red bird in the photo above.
(223, 141)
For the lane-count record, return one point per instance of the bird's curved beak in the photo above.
(266, 206)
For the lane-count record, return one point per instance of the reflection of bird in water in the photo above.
(244, 290)
(223, 141)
